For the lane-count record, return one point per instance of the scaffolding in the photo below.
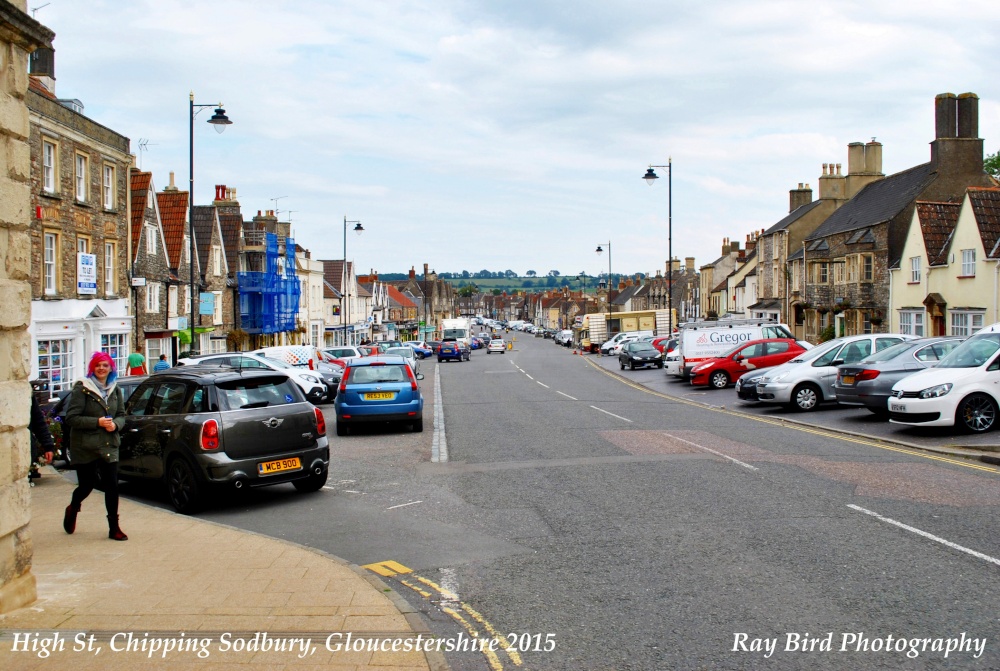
(269, 288)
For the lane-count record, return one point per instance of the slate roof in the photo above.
(937, 225)
(986, 206)
(231, 224)
(624, 295)
(333, 272)
(793, 216)
(878, 202)
(329, 291)
(173, 217)
(140, 182)
(722, 285)
(204, 221)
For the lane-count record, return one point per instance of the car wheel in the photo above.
(313, 483)
(719, 379)
(622, 365)
(440, 360)
(806, 397)
(631, 365)
(186, 494)
(343, 429)
(659, 365)
(417, 426)
(977, 413)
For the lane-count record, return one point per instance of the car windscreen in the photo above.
(643, 348)
(973, 352)
(400, 351)
(385, 373)
(257, 393)
(817, 351)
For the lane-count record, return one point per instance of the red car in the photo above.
(664, 342)
(721, 371)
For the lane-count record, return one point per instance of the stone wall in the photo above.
(19, 35)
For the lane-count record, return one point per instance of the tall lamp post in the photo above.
(651, 178)
(359, 229)
(220, 121)
(599, 251)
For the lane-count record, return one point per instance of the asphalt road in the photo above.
(634, 531)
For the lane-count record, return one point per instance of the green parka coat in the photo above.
(88, 441)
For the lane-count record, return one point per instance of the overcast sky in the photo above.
(499, 135)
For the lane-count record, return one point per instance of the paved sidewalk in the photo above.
(183, 582)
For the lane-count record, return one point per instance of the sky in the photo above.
(513, 135)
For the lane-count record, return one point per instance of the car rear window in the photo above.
(375, 374)
(257, 393)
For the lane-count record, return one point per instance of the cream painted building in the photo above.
(948, 279)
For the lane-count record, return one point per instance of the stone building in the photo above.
(19, 36)
(844, 264)
(215, 317)
(154, 295)
(173, 207)
(80, 188)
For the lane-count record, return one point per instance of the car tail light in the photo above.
(866, 375)
(413, 379)
(311, 366)
(210, 435)
(320, 422)
(343, 380)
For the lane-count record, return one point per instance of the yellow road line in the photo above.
(491, 656)
(797, 427)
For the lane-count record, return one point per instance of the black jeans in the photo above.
(98, 473)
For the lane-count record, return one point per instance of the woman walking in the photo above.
(96, 413)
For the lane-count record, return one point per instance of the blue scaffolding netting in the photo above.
(269, 300)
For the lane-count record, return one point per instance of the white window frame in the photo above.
(966, 322)
(152, 297)
(914, 269)
(82, 244)
(216, 260)
(172, 296)
(55, 360)
(911, 322)
(968, 263)
(110, 252)
(109, 186)
(51, 263)
(154, 348)
(840, 273)
(50, 157)
(217, 313)
(150, 232)
(851, 269)
(866, 268)
(187, 249)
(186, 307)
(82, 169)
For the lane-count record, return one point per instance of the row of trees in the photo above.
(491, 275)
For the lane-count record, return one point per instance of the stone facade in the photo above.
(149, 261)
(19, 35)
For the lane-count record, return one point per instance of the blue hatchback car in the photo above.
(380, 388)
(450, 349)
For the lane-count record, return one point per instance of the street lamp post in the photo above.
(220, 121)
(599, 251)
(651, 178)
(359, 229)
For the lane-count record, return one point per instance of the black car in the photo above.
(639, 354)
(203, 428)
(746, 385)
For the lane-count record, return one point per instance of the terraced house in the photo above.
(79, 233)
(154, 291)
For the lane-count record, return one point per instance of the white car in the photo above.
(496, 345)
(962, 390)
(407, 353)
(342, 352)
(308, 381)
(808, 380)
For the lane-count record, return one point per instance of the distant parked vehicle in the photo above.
(639, 354)
(496, 345)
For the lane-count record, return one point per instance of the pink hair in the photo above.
(98, 358)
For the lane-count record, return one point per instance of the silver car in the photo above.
(408, 354)
(806, 381)
(868, 383)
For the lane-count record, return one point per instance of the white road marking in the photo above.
(403, 505)
(919, 532)
(528, 376)
(352, 491)
(439, 444)
(612, 414)
(568, 396)
(719, 454)
(544, 385)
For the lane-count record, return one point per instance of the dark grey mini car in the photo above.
(202, 428)
(869, 382)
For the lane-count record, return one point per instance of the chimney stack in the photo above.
(689, 264)
(413, 272)
(957, 149)
(801, 196)
(172, 187)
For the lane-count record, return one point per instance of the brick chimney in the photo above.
(413, 273)
(799, 197)
(751, 242)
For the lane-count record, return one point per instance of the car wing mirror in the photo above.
(837, 362)
(420, 376)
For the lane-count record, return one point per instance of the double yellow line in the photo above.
(470, 620)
